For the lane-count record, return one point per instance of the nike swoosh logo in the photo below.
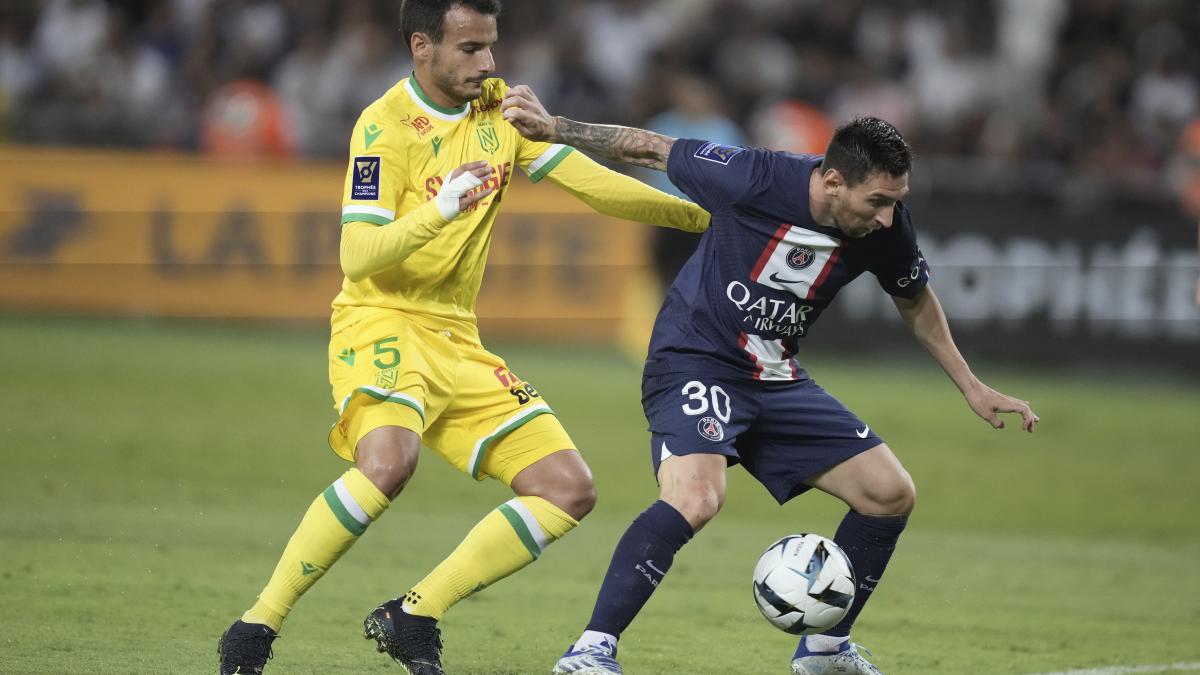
(864, 432)
(870, 580)
(779, 280)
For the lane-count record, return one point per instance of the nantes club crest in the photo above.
(489, 140)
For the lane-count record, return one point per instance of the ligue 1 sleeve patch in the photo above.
(366, 178)
(715, 152)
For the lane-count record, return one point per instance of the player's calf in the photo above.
(694, 485)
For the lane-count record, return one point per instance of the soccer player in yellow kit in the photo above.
(430, 163)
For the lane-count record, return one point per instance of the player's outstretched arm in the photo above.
(620, 196)
(924, 316)
(622, 144)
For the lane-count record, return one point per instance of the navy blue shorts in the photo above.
(783, 433)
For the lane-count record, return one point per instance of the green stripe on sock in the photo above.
(331, 498)
(523, 534)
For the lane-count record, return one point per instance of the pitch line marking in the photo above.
(1126, 670)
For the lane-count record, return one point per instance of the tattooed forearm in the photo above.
(623, 144)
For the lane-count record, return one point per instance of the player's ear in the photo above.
(833, 180)
(421, 46)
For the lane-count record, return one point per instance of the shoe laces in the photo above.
(426, 640)
(247, 646)
(855, 656)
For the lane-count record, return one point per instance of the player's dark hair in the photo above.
(429, 16)
(865, 146)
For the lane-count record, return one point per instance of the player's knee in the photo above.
(698, 502)
(581, 499)
(563, 479)
(575, 495)
(896, 496)
(388, 458)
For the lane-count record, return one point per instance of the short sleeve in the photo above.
(373, 179)
(715, 176)
(895, 259)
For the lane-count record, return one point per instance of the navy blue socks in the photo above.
(639, 563)
(646, 550)
(869, 542)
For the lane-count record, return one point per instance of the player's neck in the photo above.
(425, 83)
(818, 203)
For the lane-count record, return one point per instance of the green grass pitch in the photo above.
(152, 472)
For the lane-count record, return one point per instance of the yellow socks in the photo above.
(506, 540)
(330, 527)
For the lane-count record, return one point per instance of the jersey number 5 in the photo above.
(699, 397)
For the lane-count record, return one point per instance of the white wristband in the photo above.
(452, 191)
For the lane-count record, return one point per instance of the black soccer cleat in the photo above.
(245, 648)
(412, 641)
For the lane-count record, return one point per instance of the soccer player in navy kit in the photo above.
(722, 384)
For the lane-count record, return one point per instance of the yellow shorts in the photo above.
(462, 400)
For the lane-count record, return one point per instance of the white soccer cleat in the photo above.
(593, 660)
(845, 661)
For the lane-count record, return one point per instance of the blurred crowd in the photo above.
(1103, 89)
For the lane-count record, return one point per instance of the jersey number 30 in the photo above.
(699, 397)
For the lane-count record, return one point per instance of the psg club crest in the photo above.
(710, 428)
(800, 257)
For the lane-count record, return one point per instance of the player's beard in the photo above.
(452, 85)
(843, 216)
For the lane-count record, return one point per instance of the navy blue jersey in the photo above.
(765, 270)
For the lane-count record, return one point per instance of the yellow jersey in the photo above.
(403, 147)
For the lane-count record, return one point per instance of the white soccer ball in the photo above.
(804, 584)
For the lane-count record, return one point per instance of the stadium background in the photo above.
(169, 179)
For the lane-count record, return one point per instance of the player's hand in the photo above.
(524, 111)
(462, 189)
(989, 403)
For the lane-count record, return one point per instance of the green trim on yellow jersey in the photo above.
(441, 275)
(424, 98)
(385, 396)
(364, 213)
(475, 464)
(549, 165)
(364, 218)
